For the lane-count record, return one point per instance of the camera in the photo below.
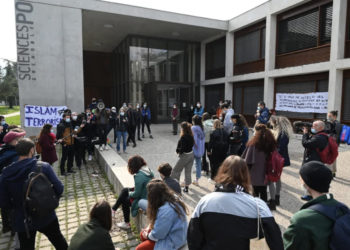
(299, 126)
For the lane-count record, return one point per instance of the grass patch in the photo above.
(4, 110)
(13, 120)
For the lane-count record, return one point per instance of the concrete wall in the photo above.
(269, 11)
(50, 59)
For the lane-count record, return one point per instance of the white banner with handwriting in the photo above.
(315, 102)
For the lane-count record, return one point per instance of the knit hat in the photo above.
(10, 136)
(316, 175)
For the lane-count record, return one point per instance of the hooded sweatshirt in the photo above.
(11, 191)
(142, 177)
(199, 140)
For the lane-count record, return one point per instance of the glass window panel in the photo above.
(247, 47)
(326, 24)
(252, 95)
(298, 33)
(176, 61)
(346, 100)
(157, 60)
(263, 42)
(215, 56)
(237, 100)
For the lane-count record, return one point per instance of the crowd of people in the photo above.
(219, 145)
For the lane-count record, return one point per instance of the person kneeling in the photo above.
(167, 216)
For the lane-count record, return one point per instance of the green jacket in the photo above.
(91, 236)
(309, 229)
(142, 177)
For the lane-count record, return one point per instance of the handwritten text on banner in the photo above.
(315, 102)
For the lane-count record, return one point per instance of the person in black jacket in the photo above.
(335, 131)
(112, 122)
(186, 157)
(131, 114)
(165, 171)
(122, 128)
(228, 218)
(138, 119)
(314, 142)
(236, 135)
(217, 147)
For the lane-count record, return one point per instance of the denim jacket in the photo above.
(169, 231)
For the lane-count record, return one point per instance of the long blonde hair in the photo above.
(281, 125)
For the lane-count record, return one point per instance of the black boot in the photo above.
(277, 200)
(272, 204)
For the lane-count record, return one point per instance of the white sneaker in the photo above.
(195, 183)
(124, 225)
(106, 148)
(90, 158)
(100, 148)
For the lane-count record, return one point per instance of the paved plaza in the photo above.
(84, 188)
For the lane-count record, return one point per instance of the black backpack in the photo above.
(340, 215)
(40, 198)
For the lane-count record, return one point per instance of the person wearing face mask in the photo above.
(122, 129)
(131, 114)
(190, 114)
(90, 128)
(335, 131)
(65, 132)
(102, 127)
(93, 104)
(47, 143)
(199, 110)
(4, 128)
(12, 183)
(138, 119)
(262, 113)
(313, 142)
(146, 119)
(174, 118)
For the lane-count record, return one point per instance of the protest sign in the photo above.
(315, 102)
(38, 116)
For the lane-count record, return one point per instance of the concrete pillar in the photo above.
(202, 75)
(229, 65)
(338, 29)
(228, 91)
(270, 55)
(202, 94)
(335, 83)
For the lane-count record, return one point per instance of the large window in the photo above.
(215, 53)
(309, 29)
(299, 85)
(250, 47)
(246, 96)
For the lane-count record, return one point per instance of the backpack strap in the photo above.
(331, 212)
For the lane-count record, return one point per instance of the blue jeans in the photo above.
(119, 135)
(198, 162)
(143, 203)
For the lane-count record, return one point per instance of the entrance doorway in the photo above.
(166, 95)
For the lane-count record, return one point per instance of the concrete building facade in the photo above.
(69, 51)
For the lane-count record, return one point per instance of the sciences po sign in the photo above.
(26, 66)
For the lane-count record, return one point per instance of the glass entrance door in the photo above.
(167, 95)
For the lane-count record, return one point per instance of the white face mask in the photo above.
(121, 113)
(74, 117)
(51, 130)
(198, 105)
(137, 106)
(145, 106)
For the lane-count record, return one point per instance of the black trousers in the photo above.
(51, 231)
(138, 126)
(260, 191)
(67, 153)
(131, 134)
(124, 200)
(205, 165)
(175, 127)
(147, 122)
(79, 153)
(102, 133)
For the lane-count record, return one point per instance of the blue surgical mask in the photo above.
(259, 108)
(68, 120)
(313, 131)
(51, 130)
(121, 113)
(3, 122)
